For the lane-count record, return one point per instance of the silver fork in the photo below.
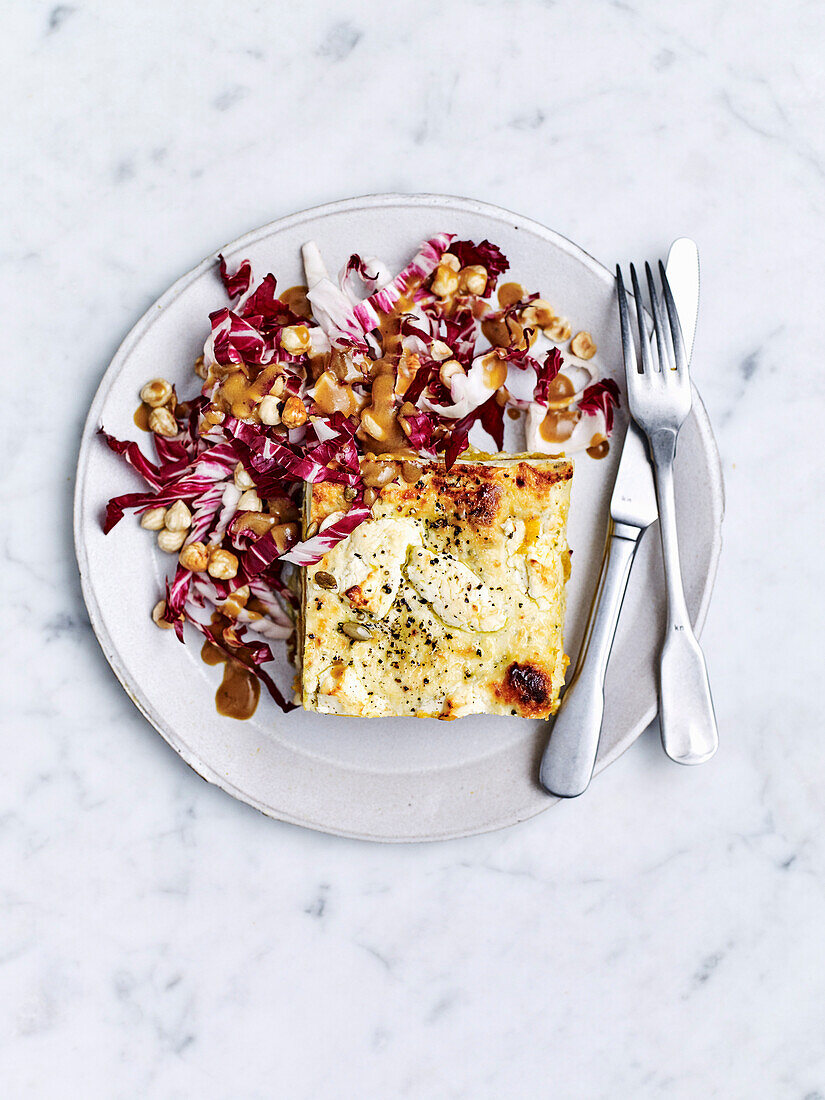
(659, 397)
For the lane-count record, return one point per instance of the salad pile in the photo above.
(316, 384)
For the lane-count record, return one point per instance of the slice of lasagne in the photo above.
(449, 601)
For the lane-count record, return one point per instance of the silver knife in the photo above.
(568, 761)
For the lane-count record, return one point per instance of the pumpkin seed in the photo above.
(357, 631)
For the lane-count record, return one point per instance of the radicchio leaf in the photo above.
(264, 309)
(371, 272)
(237, 340)
(311, 465)
(546, 372)
(331, 307)
(602, 397)
(420, 426)
(134, 456)
(410, 328)
(176, 594)
(312, 550)
(460, 334)
(422, 265)
(239, 282)
(260, 555)
(425, 374)
(456, 443)
(173, 456)
(491, 417)
(487, 255)
(212, 465)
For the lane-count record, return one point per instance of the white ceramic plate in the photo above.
(396, 779)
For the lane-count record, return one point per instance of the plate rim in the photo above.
(89, 432)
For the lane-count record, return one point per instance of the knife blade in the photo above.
(568, 760)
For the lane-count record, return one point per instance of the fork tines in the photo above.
(669, 342)
(658, 387)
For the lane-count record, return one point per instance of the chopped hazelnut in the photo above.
(583, 346)
(558, 330)
(161, 422)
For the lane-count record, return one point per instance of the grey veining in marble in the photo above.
(661, 937)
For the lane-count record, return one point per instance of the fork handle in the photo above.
(686, 715)
(568, 760)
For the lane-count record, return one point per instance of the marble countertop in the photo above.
(661, 937)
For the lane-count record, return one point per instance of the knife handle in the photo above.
(568, 761)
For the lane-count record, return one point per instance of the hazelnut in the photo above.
(473, 280)
(158, 611)
(440, 351)
(445, 280)
(241, 478)
(372, 426)
(210, 418)
(509, 294)
(153, 519)
(284, 535)
(161, 422)
(222, 565)
(249, 501)
(156, 393)
(171, 541)
(294, 413)
(583, 346)
(194, 557)
(178, 517)
(538, 314)
(295, 339)
(503, 332)
(558, 330)
(449, 370)
(268, 411)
